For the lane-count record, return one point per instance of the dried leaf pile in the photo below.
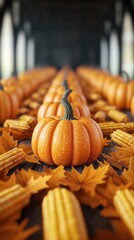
(107, 184)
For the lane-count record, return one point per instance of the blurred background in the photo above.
(57, 32)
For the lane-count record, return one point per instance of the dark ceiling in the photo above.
(69, 31)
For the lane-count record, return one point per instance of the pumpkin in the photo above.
(67, 140)
(49, 109)
(74, 97)
(71, 81)
(9, 104)
(132, 106)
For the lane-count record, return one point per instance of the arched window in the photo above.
(7, 46)
(30, 53)
(21, 52)
(104, 54)
(1, 3)
(114, 54)
(127, 62)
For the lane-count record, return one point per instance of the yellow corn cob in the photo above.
(17, 124)
(118, 116)
(27, 102)
(12, 200)
(124, 204)
(109, 127)
(37, 97)
(99, 105)
(29, 119)
(93, 96)
(23, 110)
(12, 158)
(62, 216)
(100, 116)
(33, 105)
(122, 138)
(107, 108)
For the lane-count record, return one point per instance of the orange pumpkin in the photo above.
(67, 140)
(9, 104)
(74, 97)
(49, 109)
(132, 106)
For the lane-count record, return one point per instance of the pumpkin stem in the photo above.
(68, 108)
(65, 85)
(126, 76)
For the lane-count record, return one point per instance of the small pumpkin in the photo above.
(49, 109)
(9, 104)
(56, 97)
(132, 106)
(67, 140)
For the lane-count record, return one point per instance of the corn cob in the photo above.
(27, 102)
(33, 105)
(37, 97)
(109, 127)
(99, 105)
(124, 204)
(93, 96)
(100, 116)
(122, 138)
(107, 108)
(12, 158)
(118, 116)
(29, 119)
(12, 200)
(23, 110)
(17, 124)
(62, 216)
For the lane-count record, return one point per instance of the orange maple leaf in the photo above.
(109, 212)
(14, 231)
(116, 159)
(85, 198)
(87, 180)
(129, 174)
(57, 176)
(127, 155)
(7, 142)
(9, 182)
(107, 190)
(33, 180)
(106, 142)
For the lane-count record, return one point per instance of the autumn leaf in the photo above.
(129, 174)
(57, 176)
(11, 230)
(7, 142)
(34, 185)
(8, 182)
(26, 148)
(32, 158)
(109, 212)
(87, 180)
(85, 198)
(34, 181)
(127, 154)
(106, 142)
(115, 159)
(107, 190)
